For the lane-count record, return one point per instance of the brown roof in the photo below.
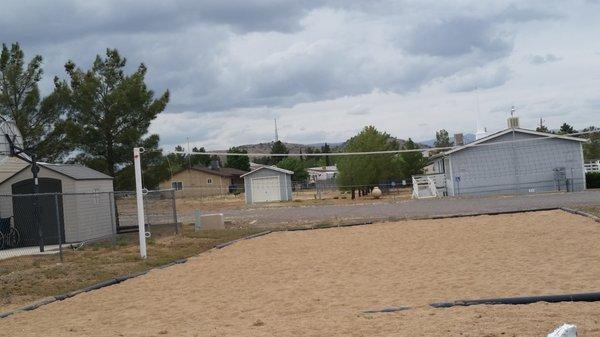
(227, 172)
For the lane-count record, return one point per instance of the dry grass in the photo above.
(595, 210)
(29, 278)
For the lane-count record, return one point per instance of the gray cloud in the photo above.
(458, 36)
(60, 20)
(541, 59)
(228, 60)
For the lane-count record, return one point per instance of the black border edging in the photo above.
(582, 213)
(125, 277)
(580, 297)
(101, 284)
(229, 243)
(385, 310)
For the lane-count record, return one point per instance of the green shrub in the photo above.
(592, 179)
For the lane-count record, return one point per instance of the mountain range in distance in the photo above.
(336, 146)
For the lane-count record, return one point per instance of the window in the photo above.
(96, 196)
(209, 181)
(177, 185)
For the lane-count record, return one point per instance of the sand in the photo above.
(318, 283)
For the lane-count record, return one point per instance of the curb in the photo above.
(582, 213)
(229, 243)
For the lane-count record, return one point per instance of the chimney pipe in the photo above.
(459, 139)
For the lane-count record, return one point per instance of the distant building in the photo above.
(200, 181)
(268, 183)
(512, 161)
(321, 173)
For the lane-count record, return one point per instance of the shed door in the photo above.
(266, 189)
(23, 211)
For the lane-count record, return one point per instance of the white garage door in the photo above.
(266, 189)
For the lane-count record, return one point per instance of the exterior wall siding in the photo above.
(85, 217)
(516, 167)
(95, 211)
(195, 184)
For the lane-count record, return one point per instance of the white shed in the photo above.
(268, 183)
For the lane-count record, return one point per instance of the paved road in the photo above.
(271, 217)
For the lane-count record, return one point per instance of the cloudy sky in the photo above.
(326, 68)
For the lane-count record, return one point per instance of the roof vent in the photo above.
(513, 121)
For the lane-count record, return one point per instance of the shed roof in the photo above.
(272, 168)
(505, 131)
(226, 172)
(75, 171)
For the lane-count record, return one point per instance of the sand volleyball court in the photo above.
(319, 283)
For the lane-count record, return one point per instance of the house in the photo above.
(268, 183)
(85, 209)
(511, 161)
(200, 181)
(321, 173)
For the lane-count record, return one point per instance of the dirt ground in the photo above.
(319, 282)
(300, 198)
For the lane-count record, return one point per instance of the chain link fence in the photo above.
(49, 222)
(159, 209)
(45, 222)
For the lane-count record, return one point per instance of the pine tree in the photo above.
(109, 111)
(238, 162)
(442, 139)
(278, 147)
(38, 120)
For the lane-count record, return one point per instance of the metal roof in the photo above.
(272, 168)
(77, 172)
(505, 131)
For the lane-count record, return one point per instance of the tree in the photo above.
(542, 128)
(411, 163)
(155, 167)
(566, 129)
(108, 111)
(278, 147)
(38, 120)
(296, 165)
(360, 171)
(238, 162)
(326, 149)
(442, 139)
(591, 150)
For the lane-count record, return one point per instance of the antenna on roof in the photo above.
(481, 131)
(276, 134)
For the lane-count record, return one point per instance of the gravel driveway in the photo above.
(280, 216)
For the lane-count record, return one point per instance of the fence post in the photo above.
(60, 252)
(174, 211)
(113, 224)
(139, 200)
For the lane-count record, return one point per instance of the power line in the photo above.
(427, 150)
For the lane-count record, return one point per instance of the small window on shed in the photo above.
(96, 196)
(177, 185)
(209, 181)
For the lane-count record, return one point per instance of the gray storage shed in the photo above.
(86, 207)
(268, 183)
(513, 161)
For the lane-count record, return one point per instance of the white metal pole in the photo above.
(140, 199)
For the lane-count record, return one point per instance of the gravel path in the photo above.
(272, 217)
